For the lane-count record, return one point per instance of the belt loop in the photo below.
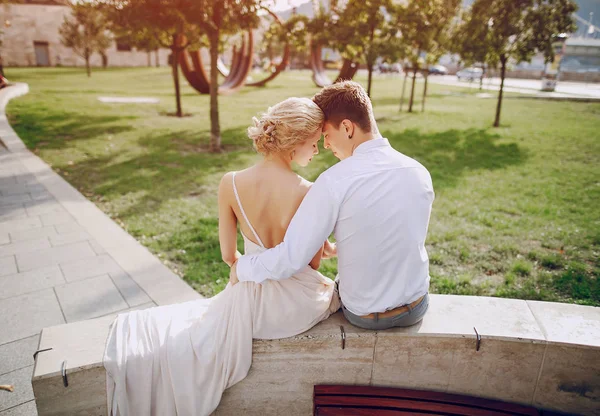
(376, 316)
(410, 308)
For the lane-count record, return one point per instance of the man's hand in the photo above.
(329, 250)
(233, 279)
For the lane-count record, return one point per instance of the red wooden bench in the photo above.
(385, 401)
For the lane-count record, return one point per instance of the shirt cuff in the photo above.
(244, 269)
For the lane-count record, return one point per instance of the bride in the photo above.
(178, 359)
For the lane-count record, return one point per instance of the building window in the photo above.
(123, 45)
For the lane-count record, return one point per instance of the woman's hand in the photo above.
(233, 278)
(329, 250)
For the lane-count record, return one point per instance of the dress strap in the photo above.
(237, 197)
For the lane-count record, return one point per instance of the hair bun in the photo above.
(285, 125)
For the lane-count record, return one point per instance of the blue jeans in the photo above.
(407, 318)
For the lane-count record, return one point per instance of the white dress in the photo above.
(178, 359)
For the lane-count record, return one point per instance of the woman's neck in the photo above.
(278, 161)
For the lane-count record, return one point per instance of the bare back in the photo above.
(270, 196)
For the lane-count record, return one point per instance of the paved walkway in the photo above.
(564, 90)
(61, 260)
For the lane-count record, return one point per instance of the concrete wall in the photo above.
(534, 353)
(24, 24)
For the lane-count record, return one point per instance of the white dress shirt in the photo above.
(377, 202)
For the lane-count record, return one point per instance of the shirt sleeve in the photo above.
(311, 225)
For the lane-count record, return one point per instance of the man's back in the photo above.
(384, 202)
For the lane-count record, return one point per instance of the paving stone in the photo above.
(33, 234)
(98, 249)
(26, 178)
(114, 314)
(26, 315)
(25, 409)
(42, 196)
(20, 283)
(62, 239)
(11, 212)
(133, 294)
(54, 255)
(10, 169)
(14, 199)
(8, 265)
(20, 224)
(53, 218)
(9, 180)
(21, 380)
(81, 269)
(89, 298)
(24, 247)
(18, 354)
(68, 227)
(22, 188)
(34, 208)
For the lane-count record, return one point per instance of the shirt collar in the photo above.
(371, 144)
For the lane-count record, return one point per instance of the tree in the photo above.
(424, 27)
(471, 51)
(143, 40)
(365, 33)
(86, 31)
(217, 18)
(515, 30)
(163, 20)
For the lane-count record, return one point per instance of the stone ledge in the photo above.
(533, 353)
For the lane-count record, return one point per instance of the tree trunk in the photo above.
(87, 65)
(371, 60)
(175, 67)
(412, 91)
(503, 60)
(369, 79)
(156, 58)
(403, 88)
(424, 92)
(215, 128)
(149, 61)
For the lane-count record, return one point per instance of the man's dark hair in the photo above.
(346, 100)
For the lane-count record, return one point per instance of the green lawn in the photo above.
(516, 211)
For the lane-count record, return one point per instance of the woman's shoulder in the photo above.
(227, 178)
(303, 185)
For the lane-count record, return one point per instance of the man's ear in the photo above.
(348, 128)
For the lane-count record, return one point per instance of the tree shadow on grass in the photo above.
(170, 166)
(54, 130)
(450, 154)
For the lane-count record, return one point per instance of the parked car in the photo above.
(469, 74)
(389, 68)
(438, 70)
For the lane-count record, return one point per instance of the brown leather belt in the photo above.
(394, 312)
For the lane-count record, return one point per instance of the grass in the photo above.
(516, 211)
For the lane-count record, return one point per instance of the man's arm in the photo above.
(312, 224)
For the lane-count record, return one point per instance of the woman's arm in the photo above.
(316, 260)
(227, 222)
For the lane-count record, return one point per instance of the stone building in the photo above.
(30, 38)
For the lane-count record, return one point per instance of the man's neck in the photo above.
(363, 138)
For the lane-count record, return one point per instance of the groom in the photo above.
(377, 202)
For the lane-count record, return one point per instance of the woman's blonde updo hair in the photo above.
(285, 125)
